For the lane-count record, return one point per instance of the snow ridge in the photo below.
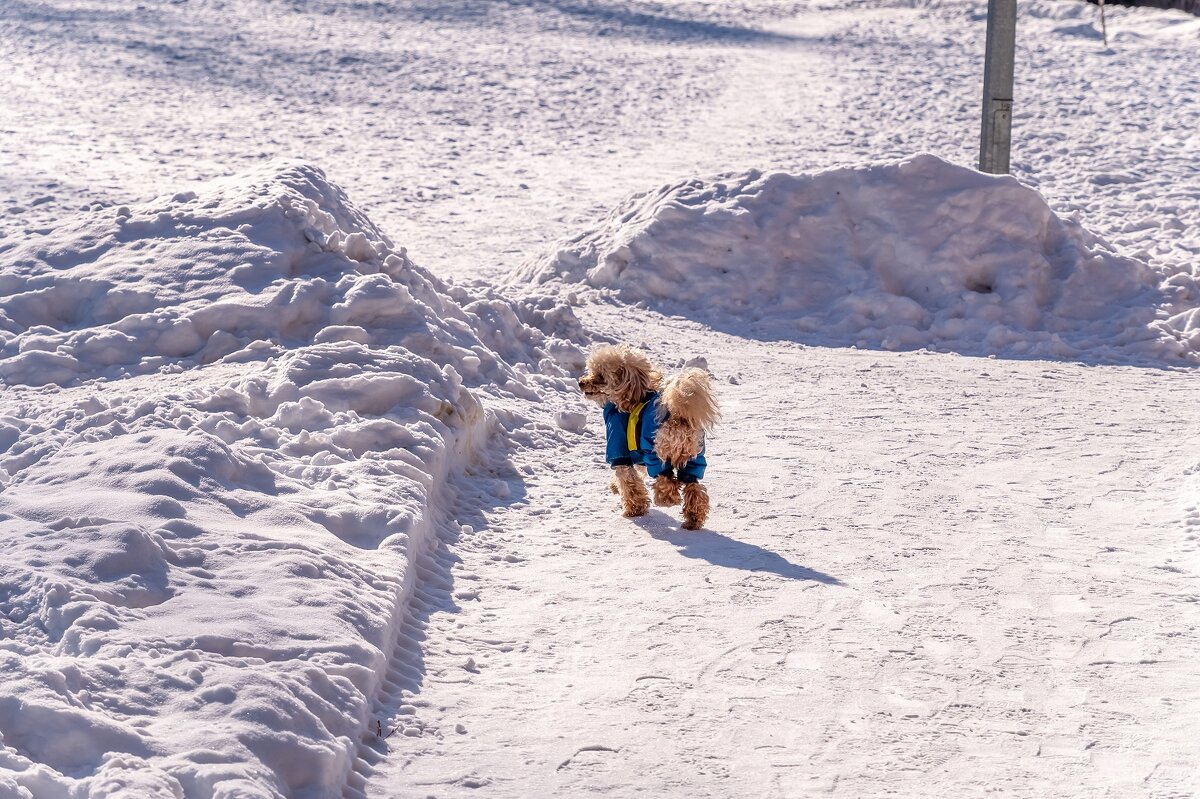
(232, 421)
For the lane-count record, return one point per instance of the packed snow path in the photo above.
(926, 574)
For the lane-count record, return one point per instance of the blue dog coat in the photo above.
(631, 441)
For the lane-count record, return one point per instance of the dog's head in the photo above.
(620, 374)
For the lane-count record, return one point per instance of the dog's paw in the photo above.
(636, 509)
(695, 506)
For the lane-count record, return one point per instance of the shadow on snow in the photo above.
(721, 550)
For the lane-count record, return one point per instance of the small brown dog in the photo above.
(655, 424)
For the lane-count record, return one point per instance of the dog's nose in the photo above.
(581, 382)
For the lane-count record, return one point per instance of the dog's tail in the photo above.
(689, 395)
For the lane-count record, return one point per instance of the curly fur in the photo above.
(677, 441)
(621, 374)
(689, 395)
(624, 375)
(634, 499)
(666, 491)
(695, 506)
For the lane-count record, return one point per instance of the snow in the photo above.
(919, 253)
(279, 470)
(926, 575)
(477, 157)
(243, 269)
(212, 537)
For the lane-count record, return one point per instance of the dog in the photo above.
(654, 425)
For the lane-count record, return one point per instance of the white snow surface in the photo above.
(210, 539)
(271, 482)
(919, 253)
(480, 132)
(240, 269)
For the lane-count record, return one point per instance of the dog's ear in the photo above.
(634, 376)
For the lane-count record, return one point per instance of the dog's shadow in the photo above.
(721, 550)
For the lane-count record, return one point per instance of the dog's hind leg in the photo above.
(666, 490)
(695, 506)
(634, 499)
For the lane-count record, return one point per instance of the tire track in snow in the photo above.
(400, 714)
(426, 592)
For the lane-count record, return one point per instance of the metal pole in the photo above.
(995, 139)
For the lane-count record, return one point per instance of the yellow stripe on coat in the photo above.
(631, 430)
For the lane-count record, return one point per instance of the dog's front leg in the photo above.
(666, 491)
(695, 506)
(634, 499)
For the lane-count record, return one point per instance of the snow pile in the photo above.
(917, 253)
(269, 259)
(210, 544)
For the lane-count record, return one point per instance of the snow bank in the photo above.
(918, 253)
(272, 259)
(230, 422)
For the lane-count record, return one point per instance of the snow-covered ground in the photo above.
(927, 575)
(297, 497)
(230, 422)
(476, 131)
(918, 253)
